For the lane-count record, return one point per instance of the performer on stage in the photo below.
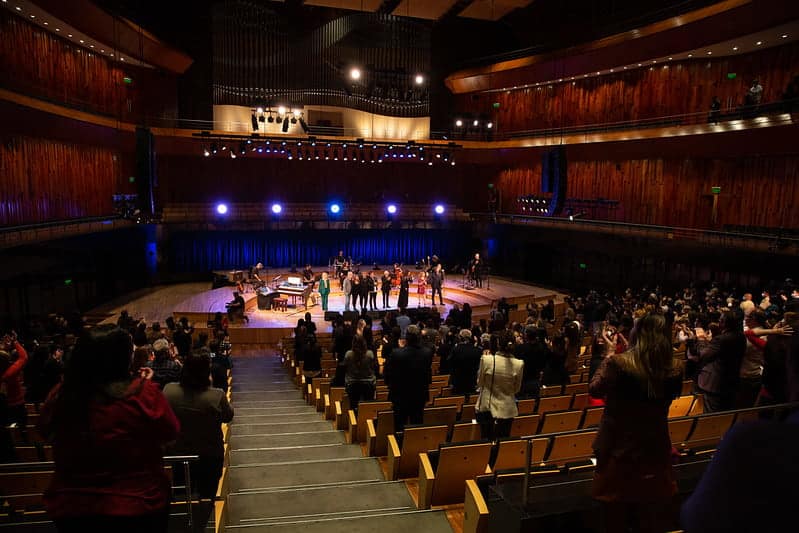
(372, 283)
(324, 290)
(356, 290)
(476, 270)
(343, 271)
(436, 280)
(363, 293)
(404, 282)
(421, 290)
(385, 287)
(346, 286)
(235, 308)
(395, 282)
(308, 276)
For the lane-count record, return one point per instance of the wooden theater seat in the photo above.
(526, 407)
(524, 425)
(554, 403)
(22, 491)
(679, 429)
(340, 417)
(377, 431)
(591, 417)
(511, 453)
(571, 447)
(550, 390)
(680, 406)
(575, 388)
(555, 422)
(357, 423)
(403, 462)
(580, 401)
(465, 432)
(335, 395)
(468, 412)
(475, 510)
(708, 432)
(457, 401)
(445, 415)
(443, 484)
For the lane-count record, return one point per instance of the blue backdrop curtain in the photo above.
(222, 250)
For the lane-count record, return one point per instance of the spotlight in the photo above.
(458, 123)
(277, 209)
(419, 79)
(213, 148)
(221, 209)
(439, 209)
(206, 152)
(335, 209)
(259, 110)
(476, 123)
(281, 110)
(490, 125)
(232, 154)
(355, 74)
(391, 209)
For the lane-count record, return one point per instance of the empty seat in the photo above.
(404, 462)
(366, 411)
(680, 406)
(571, 447)
(524, 425)
(468, 412)
(709, 430)
(591, 417)
(511, 452)
(526, 407)
(575, 388)
(555, 422)
(465, 431)
(440, 415)
(580, 401)
(679, 429)
(444, 483)
(554, 403)
(457, 401)
(377, 431)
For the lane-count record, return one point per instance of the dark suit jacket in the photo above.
(407, 374)
(721, 363)
(464, 362)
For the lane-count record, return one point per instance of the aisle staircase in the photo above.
(290, 470)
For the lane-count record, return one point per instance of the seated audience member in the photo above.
(634, 477)
(165, 368)
(108, 432)
(142, 358)
(201, 410)
(182, 337)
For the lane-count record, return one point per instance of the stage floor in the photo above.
(199, 302)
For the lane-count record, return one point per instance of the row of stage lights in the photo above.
(533, 204)
(334, 209)
(360, 151)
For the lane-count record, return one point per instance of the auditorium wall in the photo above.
(46, 180)
(37, 63)
(755, 191)
(684, 86)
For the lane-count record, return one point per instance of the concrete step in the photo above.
(305, 504)
(305, 453)
(245, 418)
(386, 522)
(303, 473)
(287, 425)
(274, 410)
(288, 402)
(313, 438)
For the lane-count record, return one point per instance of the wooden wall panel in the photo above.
(680, 87)
(46, 180)
(39, 64)
(755, 191)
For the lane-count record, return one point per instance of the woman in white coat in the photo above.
(499, 379)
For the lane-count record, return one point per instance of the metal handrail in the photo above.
(789, 406)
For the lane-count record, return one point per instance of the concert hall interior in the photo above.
(263, 185)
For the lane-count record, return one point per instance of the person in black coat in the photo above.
(402, 299)
(535, 353)
(464, 362)
(436, 281)
(407, 374)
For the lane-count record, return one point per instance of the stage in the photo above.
(198, 302)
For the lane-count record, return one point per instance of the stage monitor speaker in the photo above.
(330, 316)
(351, 316)
(145, 171)
(376, 315)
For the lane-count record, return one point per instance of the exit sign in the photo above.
(731, 75)
(496, 105)
(715, 190)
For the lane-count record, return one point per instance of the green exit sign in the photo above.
(731, 75)
(583, 266)
(715, 190)
(132, 179)
(128, 80)
(495, 105)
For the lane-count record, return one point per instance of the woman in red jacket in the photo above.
(13, 358)
(108, 432)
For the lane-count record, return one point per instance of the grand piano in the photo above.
(294, 287)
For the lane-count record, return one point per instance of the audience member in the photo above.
(464, 363)
(720, 364)
(360, 378)
(534, 353)
(499, 379)
(407, 374)
(165, 368)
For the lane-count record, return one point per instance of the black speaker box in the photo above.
(331, 315)
(351, 316)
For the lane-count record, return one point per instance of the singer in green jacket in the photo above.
(324, 290)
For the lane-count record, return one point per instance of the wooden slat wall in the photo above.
(46, 180)
(681, 87)
(755, 191)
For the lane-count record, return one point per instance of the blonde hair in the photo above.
(651, 360)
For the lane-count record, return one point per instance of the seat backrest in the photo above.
(456, 464)
(580, 401)
(468, 411)
(550, 390)
(571, 447)
(554, 422)
(433, 392)
(510, 453)
(524, 425)
(465, 431)
(554, 403)
(337, 394)
(698, 407)
(440, 379)
(445, 415)
(687, 387)
(368, 411)
(457, 401)
(592, 416)
(384, 426)
(680, 406)
(23, 490)
(679, 429)
(576, 388)
(526, 407)
(709, 430)
(416, 440)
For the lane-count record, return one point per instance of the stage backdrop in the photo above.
(207, 250)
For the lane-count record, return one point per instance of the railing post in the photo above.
(189, 508)
(528, 457)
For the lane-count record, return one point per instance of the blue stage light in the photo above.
(439, 209)
(391, 208)
(277, 209)
(221, 209)
(335, 209)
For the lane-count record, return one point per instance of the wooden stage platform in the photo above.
(198, 302)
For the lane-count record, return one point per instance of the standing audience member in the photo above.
(720, 364)
(634, 477)
(165, 368)
(182, 337)
(534, 353)
(312, 361)
(360, 377)
(499, 379)
(407, 374)
(12, 404)
(464, 362)
(108, 432)
(201, 411)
